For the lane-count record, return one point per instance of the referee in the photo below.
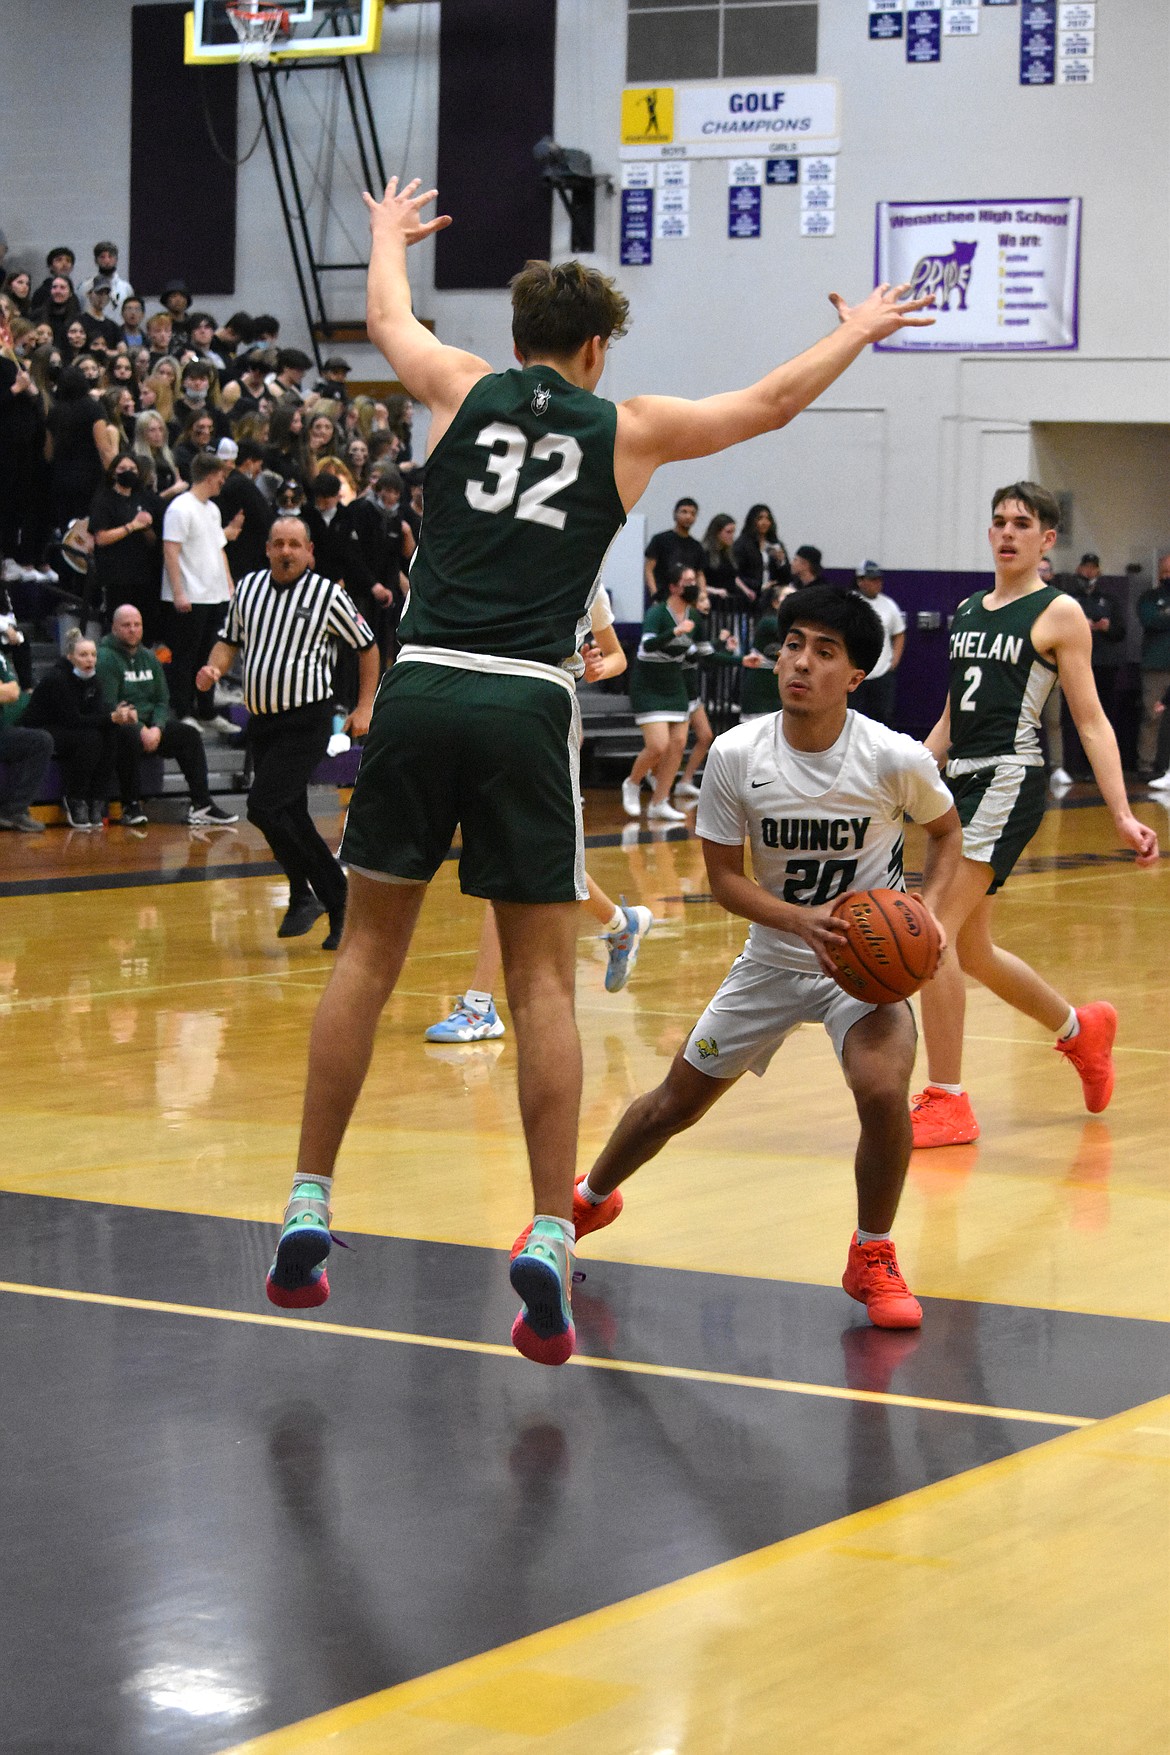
(287, 621)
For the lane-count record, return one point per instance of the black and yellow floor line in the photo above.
(584, 1361)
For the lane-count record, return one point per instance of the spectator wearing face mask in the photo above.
(67, 703)
(124, 523)
(199, 394)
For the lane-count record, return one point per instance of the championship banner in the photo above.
(725, 121)
(1004, 275)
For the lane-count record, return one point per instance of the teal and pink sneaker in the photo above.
(297, 1279)
(542, 1273)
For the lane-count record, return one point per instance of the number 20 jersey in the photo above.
(521, 508)
(819, 826)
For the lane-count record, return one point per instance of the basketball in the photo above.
(892, 947)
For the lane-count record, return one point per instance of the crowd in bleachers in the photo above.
(90, 379)
(106, 408)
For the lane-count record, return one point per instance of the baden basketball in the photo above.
(892, 947)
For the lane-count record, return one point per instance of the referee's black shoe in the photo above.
(300, 917)
(332, 938)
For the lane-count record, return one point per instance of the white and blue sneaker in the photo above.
(466, 1024)
(623, 946)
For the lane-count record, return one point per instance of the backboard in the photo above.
(308, 28)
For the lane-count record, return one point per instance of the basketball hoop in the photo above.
(257, 28)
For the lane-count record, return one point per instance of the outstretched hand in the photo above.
(399, 212)
(886, 310)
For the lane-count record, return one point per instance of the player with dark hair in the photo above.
(529, 479)
(1008, 647)
(813, 779)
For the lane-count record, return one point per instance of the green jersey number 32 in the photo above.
(508, 451)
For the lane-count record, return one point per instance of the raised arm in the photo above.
(431, 372)
(653, 430)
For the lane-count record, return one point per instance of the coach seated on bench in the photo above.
(131, 675)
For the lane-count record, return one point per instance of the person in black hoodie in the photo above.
(124, 521)
(68, 704)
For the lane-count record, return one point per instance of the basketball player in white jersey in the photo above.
(821, 794)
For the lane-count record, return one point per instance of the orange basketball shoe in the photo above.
(940, 1118)
(586, 1216)
(1091, 1052)
(872, 1276)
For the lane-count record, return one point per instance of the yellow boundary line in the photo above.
(585, 1361)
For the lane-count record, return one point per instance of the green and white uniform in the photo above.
(703, 650)
(476, 726)
(759, 692)
(658, 689)
(999, 684)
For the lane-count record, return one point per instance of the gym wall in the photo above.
(898, 458)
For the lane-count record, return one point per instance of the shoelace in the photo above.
(1072, 1053)
(881, 1255)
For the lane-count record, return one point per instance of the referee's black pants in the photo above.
(286, 748)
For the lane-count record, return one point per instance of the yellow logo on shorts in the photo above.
(707, 1047)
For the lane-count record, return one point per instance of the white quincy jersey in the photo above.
(819, 825)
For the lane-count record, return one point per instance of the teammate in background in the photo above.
(658, 694)
(475, 1018)
(723, 650)
(813, 775)
(1008, 647)
(529, 479)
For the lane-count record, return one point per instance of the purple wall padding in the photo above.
(497, 61)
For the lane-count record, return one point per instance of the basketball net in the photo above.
(257, 28)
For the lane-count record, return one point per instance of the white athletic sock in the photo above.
(590, 1194)
(952, 1090)
(479, 1002)
(616, 921)
(1072, 1027)
(566, 1225)
(872, 1236)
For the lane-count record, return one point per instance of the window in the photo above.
(719, 39)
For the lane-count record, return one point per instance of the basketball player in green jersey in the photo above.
(1008, 648)
(529, 478)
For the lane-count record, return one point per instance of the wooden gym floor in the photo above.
(741, 1520)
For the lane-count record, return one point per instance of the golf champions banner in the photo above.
(727, 120)
(1004, 275)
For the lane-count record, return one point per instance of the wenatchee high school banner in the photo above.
(1004, 275)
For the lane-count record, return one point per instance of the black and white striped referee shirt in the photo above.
(288, 635)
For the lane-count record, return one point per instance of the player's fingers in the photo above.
(411, 186)
(421, 200)
(391, 187)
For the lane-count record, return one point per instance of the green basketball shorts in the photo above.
(492, 755)
(1000, 808)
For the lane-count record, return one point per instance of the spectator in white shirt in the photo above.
(875, 696)
(105, 257)
(197, 583)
